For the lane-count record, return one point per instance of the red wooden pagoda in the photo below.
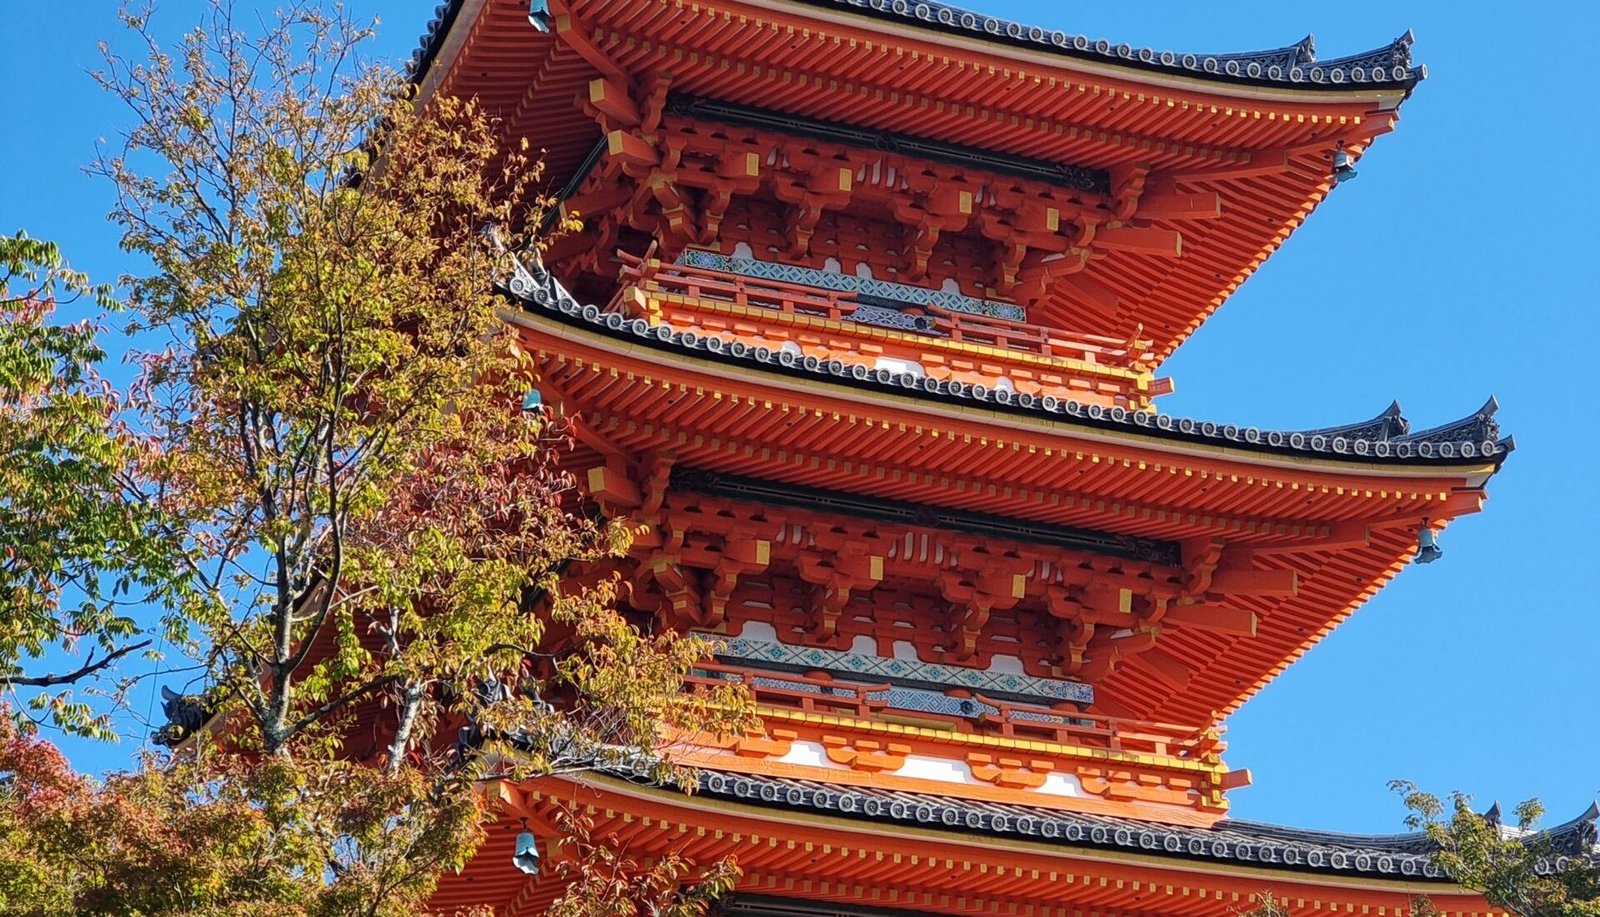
(864, 331)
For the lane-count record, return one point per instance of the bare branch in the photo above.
(90, 667)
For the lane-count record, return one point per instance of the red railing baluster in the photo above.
(688, 284)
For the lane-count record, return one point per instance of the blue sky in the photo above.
(1459, 264)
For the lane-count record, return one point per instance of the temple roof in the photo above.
(1217, 159)
(1336, 509)
(1236, 841)
(1384, 439)
(1294, 65)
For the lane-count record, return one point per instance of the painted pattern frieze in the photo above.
(768, 652)
(828, 280)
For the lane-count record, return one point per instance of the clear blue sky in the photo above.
(1459, 264)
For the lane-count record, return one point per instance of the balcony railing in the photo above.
(973, 715)
(977, 349)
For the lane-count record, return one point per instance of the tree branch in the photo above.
(89, 668)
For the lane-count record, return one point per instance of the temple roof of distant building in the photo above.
(1293, 66)
(1384, 439)
(1273, 846)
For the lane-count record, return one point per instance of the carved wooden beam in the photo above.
(931, 210)
(1255, 582)
(658, 472)
(1238, 622)
(678, 586)
(999, 585)
(1007, 263)
(1086, 292)
(1265, 162)
(612, 486)
(596, 200)
(609, 100)
(1336, 537)
(1091, 617)
(578, 36)
(825, 186)
(1161, 243)
(678, 213)
(1074, 646)
(1106, 655)
(637, 154)
(1200, 559)
(1127, 185)
(740, 556)
(837, 574)
(1171, 672)
(738, 171)
(1203, 205)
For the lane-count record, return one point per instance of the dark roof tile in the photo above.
(1404, 855)
(1294, 66)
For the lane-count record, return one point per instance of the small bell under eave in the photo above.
(1428, 549)
(526, 855)
(1343, 169)
(539, 15)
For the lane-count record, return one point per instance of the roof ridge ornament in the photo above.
(1380, 63)
(1306, 49)
(1389, 424)
(1478, 428)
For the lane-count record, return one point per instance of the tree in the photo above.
(147, 843)
(389, 573)
(1518, 869)
(74, 553)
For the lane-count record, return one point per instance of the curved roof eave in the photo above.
(1294, 66)
(433, 39)
(1407, 857)
(1382, 441)
(1226, 841)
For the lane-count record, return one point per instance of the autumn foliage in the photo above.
(382, 589)
(75, 554)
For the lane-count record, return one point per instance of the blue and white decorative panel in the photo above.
(827, 280)
(769, 652)
(931, 702)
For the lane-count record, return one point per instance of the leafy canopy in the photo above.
(1514, 867)
(75, 553)
(393, 592)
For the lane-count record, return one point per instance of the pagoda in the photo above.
(864, 333)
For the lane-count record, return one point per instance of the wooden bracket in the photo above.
(836, 577)
(865, 754)
(740, 556)
(1013, 773)
(1000, 585)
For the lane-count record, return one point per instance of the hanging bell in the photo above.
(532, 401)
(1343, 171)
(526, 857)
(1428, 549)
(539, 15)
